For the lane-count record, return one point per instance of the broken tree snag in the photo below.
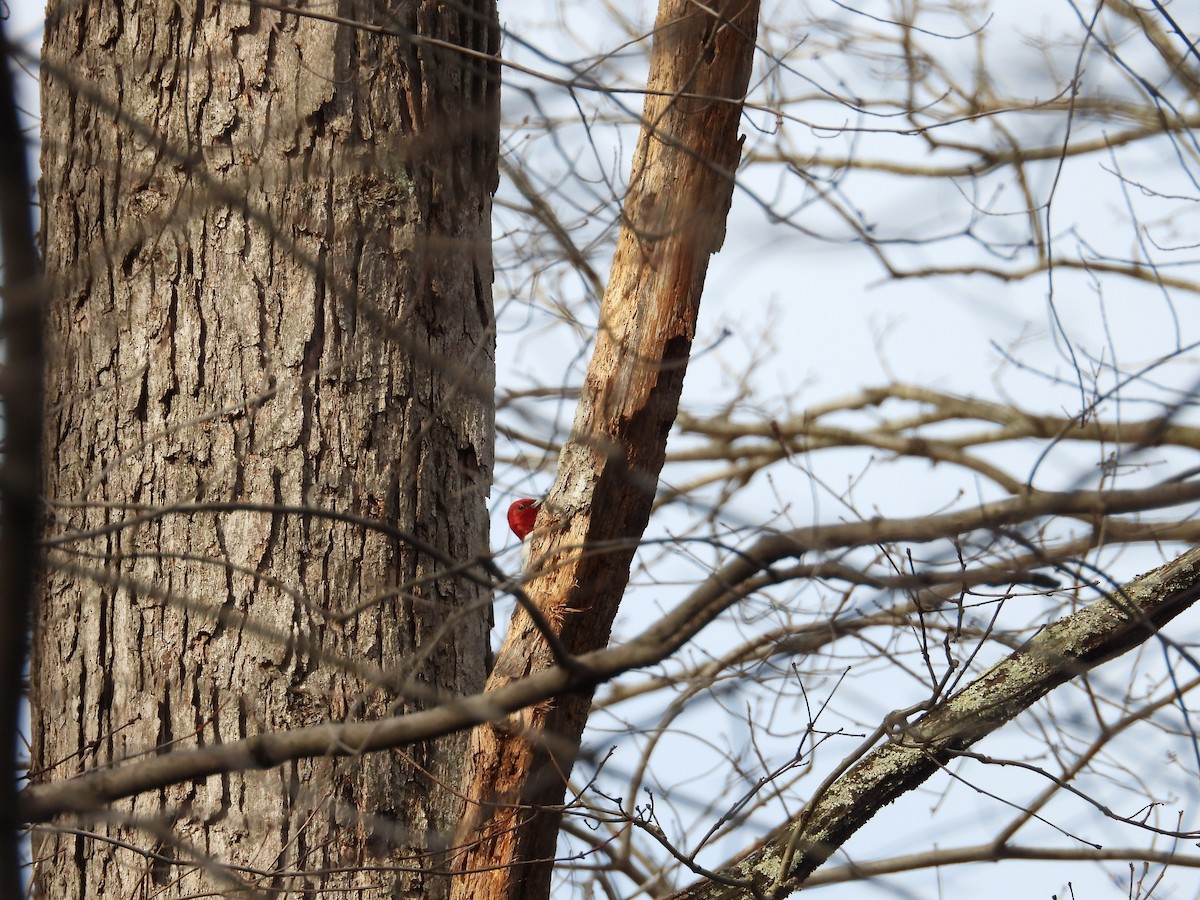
(673, 219)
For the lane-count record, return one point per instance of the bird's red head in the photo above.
(521, 516)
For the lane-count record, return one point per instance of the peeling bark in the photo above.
(673, 220)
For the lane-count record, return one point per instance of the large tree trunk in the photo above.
(265, 235)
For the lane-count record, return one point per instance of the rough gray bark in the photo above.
(266, 235)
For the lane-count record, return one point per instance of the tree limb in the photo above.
(1071, 646)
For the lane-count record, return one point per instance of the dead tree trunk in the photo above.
(674, 219)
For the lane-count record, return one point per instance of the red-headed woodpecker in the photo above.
(521, 516)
